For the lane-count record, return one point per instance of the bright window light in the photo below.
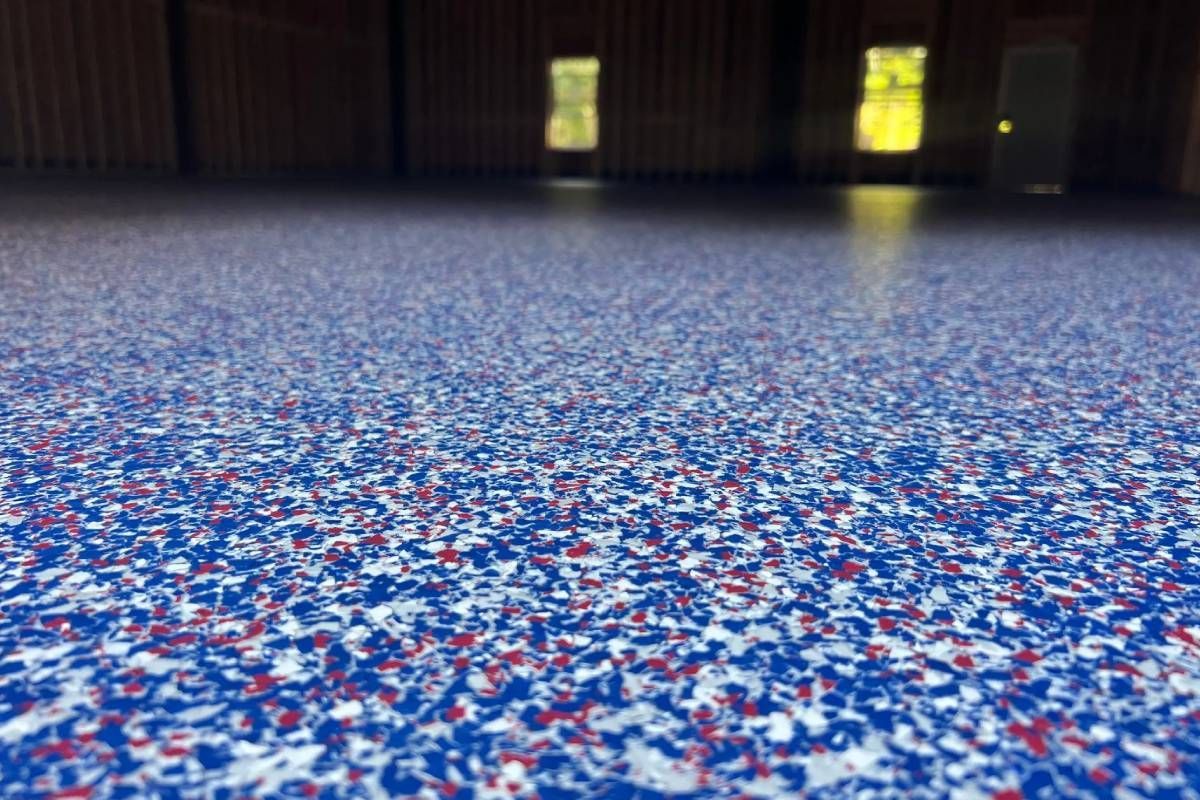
(889, 119)
(573, 123)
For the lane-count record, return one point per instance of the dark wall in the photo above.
(1189, 159)
(688, 88)
(1138, 75)
(288, 85)
(260, 86)
(474, 85)
(683, 84)
(84, 85)
(770, 87)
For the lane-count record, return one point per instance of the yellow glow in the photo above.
(1005, 126)
(573, 123)
(889, 119)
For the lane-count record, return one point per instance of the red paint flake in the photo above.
(63, 749)
(455, 713)
(1030, 737)
(289, 718)
(1182, 634)
(550, 716)
(953, 567)
(1008, 794)
(262, 682)
(528, 760)
(1027, 656)
(72, 792)
(580, 550)
(462, 640)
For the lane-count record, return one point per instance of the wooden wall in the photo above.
(1188, 176)
(688, 88)
(84, 85)
(269, 86)
(1137, 73)
(474, 86)
(683, 84)
(965, 54)
(1140, 66)
(288, 85)
(964, 40)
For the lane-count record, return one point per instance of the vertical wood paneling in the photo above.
(276, 86)
(682, 84)
(289, 85)
(832, 65)
(13, 143)
(1139, 63)
(82, 85)
(962, 80)
(1188, 175)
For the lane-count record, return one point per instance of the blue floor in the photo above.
(512, 493)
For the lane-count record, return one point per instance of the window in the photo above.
(889, 119)
(573, 123)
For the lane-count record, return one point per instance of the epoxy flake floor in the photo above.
(373, 495)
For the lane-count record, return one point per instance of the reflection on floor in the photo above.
(597, 493)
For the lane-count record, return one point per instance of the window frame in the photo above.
(862, 90)
(551, 105)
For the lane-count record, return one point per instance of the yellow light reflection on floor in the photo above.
(889, 119)
(573, 123)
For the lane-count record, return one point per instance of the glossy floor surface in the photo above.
(575, 493)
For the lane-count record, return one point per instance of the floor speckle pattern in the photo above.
(360, 495)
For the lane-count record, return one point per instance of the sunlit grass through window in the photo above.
(889, 119)
(573, 123)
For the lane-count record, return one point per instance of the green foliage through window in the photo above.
(889, 119)
(573, 123)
